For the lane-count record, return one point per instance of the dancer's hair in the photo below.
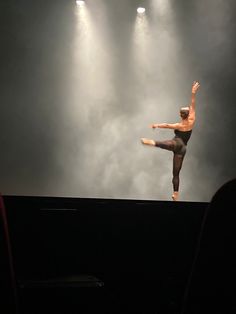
(184, 112)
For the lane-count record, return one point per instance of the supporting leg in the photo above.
(177, 165)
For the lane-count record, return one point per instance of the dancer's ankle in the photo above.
(175, 196)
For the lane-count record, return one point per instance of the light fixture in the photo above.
(80, 2)
(140, 10)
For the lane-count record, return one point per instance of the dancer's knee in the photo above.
(168, 145)
(175, 179)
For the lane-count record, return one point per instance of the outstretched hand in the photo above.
(195, 87)
(153, 126)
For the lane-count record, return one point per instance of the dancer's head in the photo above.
(184, 112)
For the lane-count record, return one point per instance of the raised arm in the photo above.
(192, 106)
(191, 116)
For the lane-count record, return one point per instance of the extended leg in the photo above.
(168, 145)
(177, 165)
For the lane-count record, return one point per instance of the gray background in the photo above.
(79, 88)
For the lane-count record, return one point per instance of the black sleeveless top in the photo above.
(184, 135)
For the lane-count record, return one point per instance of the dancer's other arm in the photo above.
(166, 125)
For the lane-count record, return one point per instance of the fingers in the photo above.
(196, 85)
(152, 126)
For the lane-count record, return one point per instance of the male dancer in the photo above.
(178, 144)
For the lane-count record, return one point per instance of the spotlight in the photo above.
(80, 2)
(140, 10)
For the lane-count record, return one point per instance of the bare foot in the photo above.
(147, 141)
(175, 196)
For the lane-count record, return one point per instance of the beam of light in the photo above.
(141, 44)
(90, 71)
(89, 95)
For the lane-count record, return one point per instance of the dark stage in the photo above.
(87, 224)
(77, 255)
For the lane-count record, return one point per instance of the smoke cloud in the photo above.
(79, 88)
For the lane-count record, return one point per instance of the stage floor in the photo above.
(141, 251)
